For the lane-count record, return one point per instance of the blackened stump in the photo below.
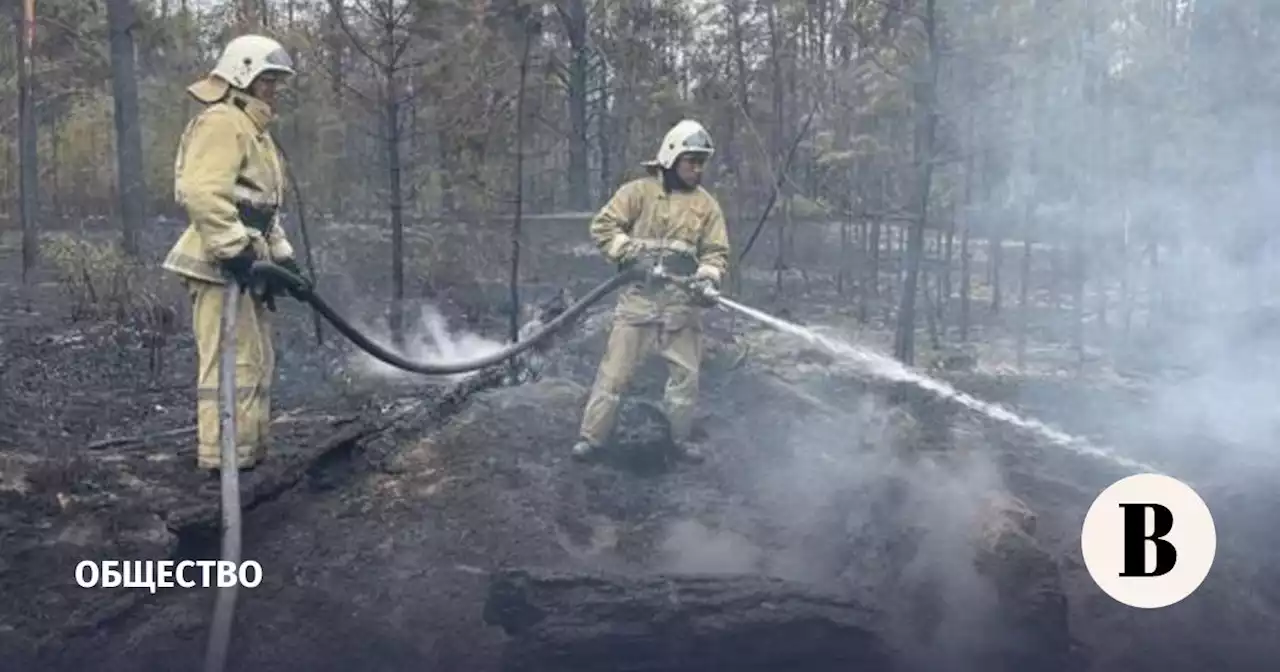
(571, 622)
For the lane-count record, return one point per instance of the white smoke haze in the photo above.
(1214, 360)
(1160, 167)
(691, 547)
(430, 338)
(851, 502)
(1205, 347)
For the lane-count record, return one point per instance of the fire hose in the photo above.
(224, 607)
(302, 291)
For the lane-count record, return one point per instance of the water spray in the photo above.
(887, 368)
(870, 362)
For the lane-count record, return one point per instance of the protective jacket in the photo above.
(686, 226)
(228, 174)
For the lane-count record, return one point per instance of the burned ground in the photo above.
(378, 546)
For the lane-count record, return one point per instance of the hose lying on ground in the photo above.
(220, 634)
(302, 290)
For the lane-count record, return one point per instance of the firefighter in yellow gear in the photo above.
(228, 175)
(666, 218)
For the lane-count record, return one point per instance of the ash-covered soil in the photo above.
(388, 570)
(961, 534)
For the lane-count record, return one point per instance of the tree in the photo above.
(830, 116)
(574, 15)
(529, 28)
(29, 171)
(395, 25)
(124, 88)
(925, 94)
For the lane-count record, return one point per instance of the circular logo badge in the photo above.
(1148, 541)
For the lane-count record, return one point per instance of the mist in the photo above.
(1130, 143)
(429, 338)
(1138, 140)
(851, 501)
(1151, 186)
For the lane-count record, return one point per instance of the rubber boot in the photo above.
(583, 451)
(689, 451)
(215, 473)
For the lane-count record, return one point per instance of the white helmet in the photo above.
(686, 136)
(248, 56)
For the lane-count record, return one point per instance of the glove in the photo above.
(240, 267)
(269, 297)
(704, 291)
(292, 266)
(636, 259)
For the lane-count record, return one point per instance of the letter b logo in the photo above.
(1148, 541)
(1136, 539)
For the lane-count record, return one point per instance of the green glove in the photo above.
(292, 266)
(240, 267)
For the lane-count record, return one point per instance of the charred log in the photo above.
(567, 622)
(1033, 628)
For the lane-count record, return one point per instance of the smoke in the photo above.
(693, 548)
(1204, 338)
(851, 502)
(1175, 212)
(1184, 241)
(1223, 394)
(429, 339)
(1205, 351)
(888, 518)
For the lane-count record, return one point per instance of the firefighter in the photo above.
(228, 176)
(665, 218)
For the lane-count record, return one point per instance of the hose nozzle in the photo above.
(706, 292)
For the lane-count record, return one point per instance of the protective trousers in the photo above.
(255, 365)
(628, 345)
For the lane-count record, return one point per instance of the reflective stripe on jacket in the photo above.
(226, 162)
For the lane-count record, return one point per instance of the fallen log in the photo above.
(143, 440)
(569, 622)
(186, 523)
(268, 481)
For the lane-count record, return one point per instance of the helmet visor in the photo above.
(278, 59)
(698, 141)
